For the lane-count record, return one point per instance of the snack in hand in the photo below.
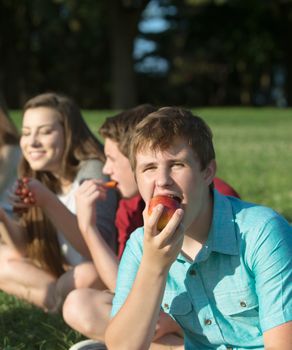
(110, 184)
(23, 191)
(170, 204)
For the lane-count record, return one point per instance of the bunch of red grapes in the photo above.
(24, 193)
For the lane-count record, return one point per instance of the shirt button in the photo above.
(243, 304)
(208, 322)
(166, 306)
(193, 272)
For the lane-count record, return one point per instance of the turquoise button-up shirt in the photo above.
(239, 285)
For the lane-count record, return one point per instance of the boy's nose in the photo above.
(163, 178)
(106, 168)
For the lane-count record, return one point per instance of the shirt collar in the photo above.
(222, 236)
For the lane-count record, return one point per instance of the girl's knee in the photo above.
(7, 258)
(7, 253)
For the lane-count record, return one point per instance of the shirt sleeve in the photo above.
(9, 159)
(105, 210)
(271, 263)
(128, 269)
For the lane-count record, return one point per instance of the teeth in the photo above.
(175, 197)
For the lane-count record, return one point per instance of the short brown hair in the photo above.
(120, 127)
(159, 129)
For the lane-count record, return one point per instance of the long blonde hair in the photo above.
(80, 144)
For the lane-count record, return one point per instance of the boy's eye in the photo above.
(178, 165)
(149, 168)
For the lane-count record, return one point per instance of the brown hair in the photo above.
(80, 144)
(159, 129)
(8, 131)
(120, 127)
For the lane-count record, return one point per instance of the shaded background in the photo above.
(118, 53)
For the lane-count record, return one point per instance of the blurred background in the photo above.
(222, 58)
(118, 53)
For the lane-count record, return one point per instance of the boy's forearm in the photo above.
(279, 337)
(105, 260)
(140, 312)
(65, 222)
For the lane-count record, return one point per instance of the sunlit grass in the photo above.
(24, 327)
(254, 149)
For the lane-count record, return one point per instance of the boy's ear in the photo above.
(210, 171)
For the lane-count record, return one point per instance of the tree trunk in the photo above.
(123, 27)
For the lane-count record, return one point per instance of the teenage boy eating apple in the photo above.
(88, 310)
(222, 268)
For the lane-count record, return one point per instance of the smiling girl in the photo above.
(44, 256)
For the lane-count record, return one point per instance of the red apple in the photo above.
(170, 204)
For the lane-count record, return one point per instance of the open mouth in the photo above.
(178, 199)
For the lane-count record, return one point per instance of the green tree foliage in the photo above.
(54, 45)
(224, 52)
(217, 52)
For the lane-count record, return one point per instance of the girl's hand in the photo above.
(28, 192)
(87, 194)
(21, 196)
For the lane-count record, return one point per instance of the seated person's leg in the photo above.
(88, 311)
(20, 277)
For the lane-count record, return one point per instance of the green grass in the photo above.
(254, 154)
(24, 327)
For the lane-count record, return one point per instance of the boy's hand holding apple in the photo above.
(163, 231)
(170, 204)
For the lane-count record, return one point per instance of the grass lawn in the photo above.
(254, 154)
(24, 327)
